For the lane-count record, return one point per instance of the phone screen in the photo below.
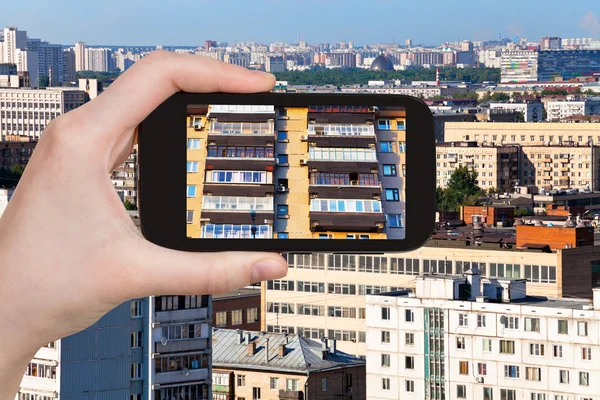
(313, 172)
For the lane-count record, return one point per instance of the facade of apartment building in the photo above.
(496, 167)
(151, 348)
(519, 66)
(558, 110)
(124, 178)
(531, 111)
(302, 172)
(482, 339)
(238, 309)
(264, 366)
(323, 295)
(15, 153)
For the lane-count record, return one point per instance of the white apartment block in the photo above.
(519, 66)
(98, 60)
(27, 112)
(13, 39)
(447, 341)
(532, 112)
(557, 110)
(80, 59)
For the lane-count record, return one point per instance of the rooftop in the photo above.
(244, 292)
(302, 355)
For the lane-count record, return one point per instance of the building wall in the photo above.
(196, 178)
(492, 214)
(519, 66)
(557, 110)
(532, 112)
(337, 385)
(577, 264)
(555, 237)
(244, 302)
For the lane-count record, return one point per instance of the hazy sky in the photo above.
(190, 22)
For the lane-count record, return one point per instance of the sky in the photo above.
(190, 22)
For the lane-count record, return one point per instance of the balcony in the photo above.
(452, 160)
(291, 394)
(222, 388)
(239, 189)
(192, 375)
(547, 168)
(175, 346)
(190, 314)
(345, 191)
(233, 217)
(240, 163)
(563, 178)
(547, 160)
(565, 169)
(341, 166)
(40, 384)
(547, 177)
(346, 222)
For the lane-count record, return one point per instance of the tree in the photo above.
(516, 95)
(485, 98)
(130, 206)
(462, 189)
(500, 97)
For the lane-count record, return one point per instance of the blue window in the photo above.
(401, 125)
(384, 124)
(191, 191)
(402, 147)
(389, 170)
(387, 147)
(282, 135)
(283, 235)
(282, 158)
(392, 194)
(190, 216)
(193, 143)
(395, 220)
(282, 209)
(192, 166)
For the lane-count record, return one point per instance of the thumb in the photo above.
(167, 272)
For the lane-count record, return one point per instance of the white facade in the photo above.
(98, 60)
(532, 112)
(530, 349)
(80, 58)
(490, 58)
(519, 66)
(557, 110)
(13, 40)
(5, 195)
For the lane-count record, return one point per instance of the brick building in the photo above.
(489, 215)
(239, 309)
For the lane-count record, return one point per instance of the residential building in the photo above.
(80, 57)
(14, 40)
(496, 166)
(519, 66)
(260, 365)
(15, 153)
(551, 43)
(8, 69)
(50, 62)
(239, 309)
(441, 117)
(531, 111)
(124, 179)
(491, 58)
(69, 73)
(558, 110)
(275, 64)
(27, 112)
(476, 338)
(99, 59)
(567, 64)
(5, 195)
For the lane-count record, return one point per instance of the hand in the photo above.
(69, 252)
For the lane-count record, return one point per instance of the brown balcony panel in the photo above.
(237, 189)
(343, 166)
(346, 222)
(197, 109)
(242, 164)
(239, 117)
(236, 217)
(342, 141)
(345, 192)
(340, 118)
(239, 140)
(291, 394)
(563, 178)
(547, 177)
(547, 160)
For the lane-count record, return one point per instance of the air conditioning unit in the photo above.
(303, 161)
(480, 379)
(282, 189)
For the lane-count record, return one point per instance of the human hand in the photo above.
(69, 252)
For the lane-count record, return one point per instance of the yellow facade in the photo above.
(196, 178)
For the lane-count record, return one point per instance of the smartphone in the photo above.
(288, 172)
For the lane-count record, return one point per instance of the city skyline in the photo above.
(188, 24)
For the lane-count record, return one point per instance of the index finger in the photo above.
(156, 77)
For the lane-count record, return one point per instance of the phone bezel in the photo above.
(162, 173)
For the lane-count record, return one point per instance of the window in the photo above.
(460, 343)
(384, 124)
(392, 194)
(385, 360)
(241, 380)
(538, 396)
(283, 235)
(190, 216)
(291, 384)
(481, 321)
(193, 143)
(536, 349)
(563, 327)
(236, 317)
(385, 313)
(387, 147)
(463, 367)
(389, 170)
(385, 383)
(584, 378)
(221, 319)
(255, 393)
(488, 393)
(507, 347)
(463, 319)
(409, 339)
(282, 159)
(508, 394)
(532, 324)
(191, 191)
(409, 316)
(511, 323)
(385, 336)
(563, 376)
(511, 371)
(136, 309)
(282, 210)
(324, 384)
(136, 370)
(282, 136)
(395, 220)
(409, 362)
(136, 339)
(482, 369)
(410, 386)
(461, 391)
(558, 351)
(533, 374)
(252, 315)
(192, 166)
(274, 385)
(586, 353)
(487, 345)
(582, 328)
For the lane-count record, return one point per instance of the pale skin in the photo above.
(69, 252)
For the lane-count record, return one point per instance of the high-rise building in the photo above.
(69, 73)
(466, 45)
(551, 43)
(275, 64)
(409, 43)
(519, 66)
(98, 59)
(208, 44)
(80, 57)
(50, 62)
(468, 337)
(14, 40)
(567, 64)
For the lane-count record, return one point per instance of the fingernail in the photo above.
(267, 269)
(263, 74)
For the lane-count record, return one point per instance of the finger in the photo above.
(163, 271)
(156, 77)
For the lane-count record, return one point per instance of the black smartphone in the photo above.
(288, 172)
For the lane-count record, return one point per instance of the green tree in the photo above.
(485, 98)
(462, 189)
(130, 206)
(500, 97)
